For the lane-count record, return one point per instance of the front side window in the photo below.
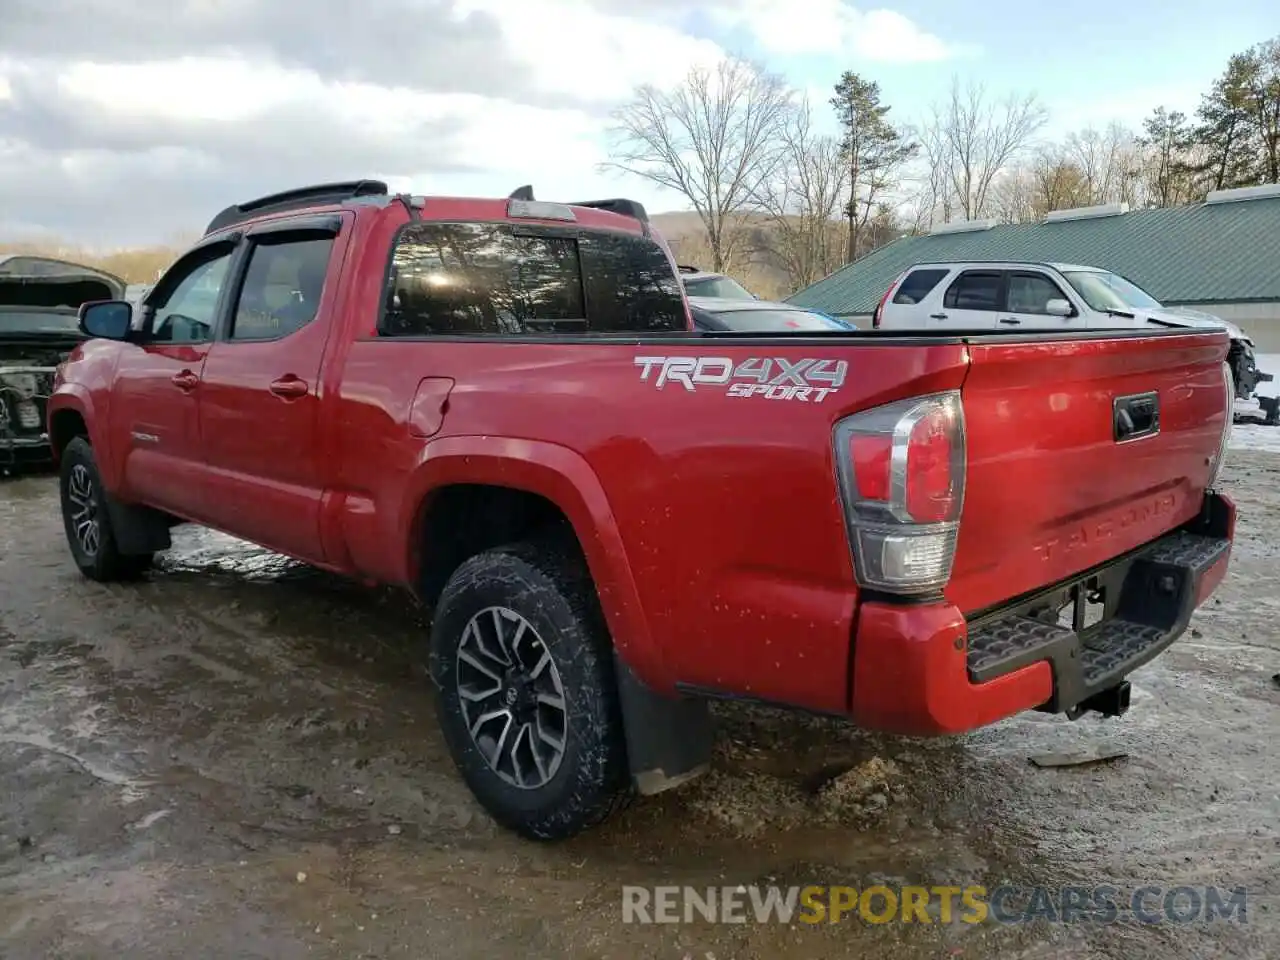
(282, 288)
(1031, 293)
(186, 314)
(493, 279)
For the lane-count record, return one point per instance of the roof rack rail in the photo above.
(299, 197)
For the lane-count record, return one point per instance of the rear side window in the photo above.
(917, 285)
(974, 290)
(488, 279)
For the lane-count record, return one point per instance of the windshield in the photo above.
(777, 321)
(39, 323)
(1107, 291)
(724, 287)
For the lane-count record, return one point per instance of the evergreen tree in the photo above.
(873, 151)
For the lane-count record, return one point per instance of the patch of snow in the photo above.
(1268, 363)
(1254, 436)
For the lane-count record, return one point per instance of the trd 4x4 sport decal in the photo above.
(774, 378)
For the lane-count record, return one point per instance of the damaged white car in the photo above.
(39, 302)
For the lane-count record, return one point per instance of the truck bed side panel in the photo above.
(726, 504)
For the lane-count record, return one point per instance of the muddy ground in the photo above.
(236, 759)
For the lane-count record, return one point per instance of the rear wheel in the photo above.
(527, 698)
(87, 521)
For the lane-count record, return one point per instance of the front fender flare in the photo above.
(563, 477)
(78, 399)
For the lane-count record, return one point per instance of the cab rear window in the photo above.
(496, 279)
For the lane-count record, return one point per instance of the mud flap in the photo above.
(138, 530)
(669, 739)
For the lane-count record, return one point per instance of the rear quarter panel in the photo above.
(724, 507)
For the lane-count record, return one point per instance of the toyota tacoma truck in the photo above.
(501, 405)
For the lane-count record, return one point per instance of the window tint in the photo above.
(186, 314)
(917, 285)
(488, 279)
(631, 287)
(1029, 292)
(974, 290)
(281, 289)
(480, 278)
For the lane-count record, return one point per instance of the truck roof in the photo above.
(615, 213)
(1061, 267)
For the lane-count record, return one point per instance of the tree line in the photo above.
(772, 193)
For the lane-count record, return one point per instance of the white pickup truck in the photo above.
(1007, 295)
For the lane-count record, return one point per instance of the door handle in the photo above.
(937, 316)
(1010, 320)
(185, 381)
(289, 387)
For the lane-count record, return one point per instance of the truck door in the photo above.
(971, 301)
(261, 393)
(155, 396)
(1030, 304)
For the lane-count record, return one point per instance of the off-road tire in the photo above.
(104, 562)
(547, 585)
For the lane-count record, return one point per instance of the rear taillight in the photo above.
(878, 313)
(1229, 385)
(901, 469)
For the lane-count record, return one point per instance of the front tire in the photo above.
(527, 697)
(88, 522)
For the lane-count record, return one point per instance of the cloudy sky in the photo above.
(132, 121)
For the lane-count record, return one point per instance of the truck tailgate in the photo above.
(1053, 487)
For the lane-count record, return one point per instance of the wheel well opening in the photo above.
(65, 426)
(463, 520)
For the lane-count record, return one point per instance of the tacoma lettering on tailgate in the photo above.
(774, 378)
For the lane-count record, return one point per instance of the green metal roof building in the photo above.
(1221, 256)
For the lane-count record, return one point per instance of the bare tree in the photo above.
(1103, 159)
(803, 201)
(975, 138)
(714, 139)
(1013, 196)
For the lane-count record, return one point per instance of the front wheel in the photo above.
(87, 521)
(527, 697)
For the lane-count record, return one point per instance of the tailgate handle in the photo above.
(1135, 416)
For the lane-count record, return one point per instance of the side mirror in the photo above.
(108, 319)
(1058, 307)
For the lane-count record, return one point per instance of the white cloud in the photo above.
(834, 27)
(572, 47)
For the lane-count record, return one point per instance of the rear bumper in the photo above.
(925, 669)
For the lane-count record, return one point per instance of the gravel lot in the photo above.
(237, 759)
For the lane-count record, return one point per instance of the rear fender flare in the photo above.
(563, 477)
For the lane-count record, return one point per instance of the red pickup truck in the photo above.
(501, 405)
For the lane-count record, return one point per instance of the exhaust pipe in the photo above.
(1112, 702)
